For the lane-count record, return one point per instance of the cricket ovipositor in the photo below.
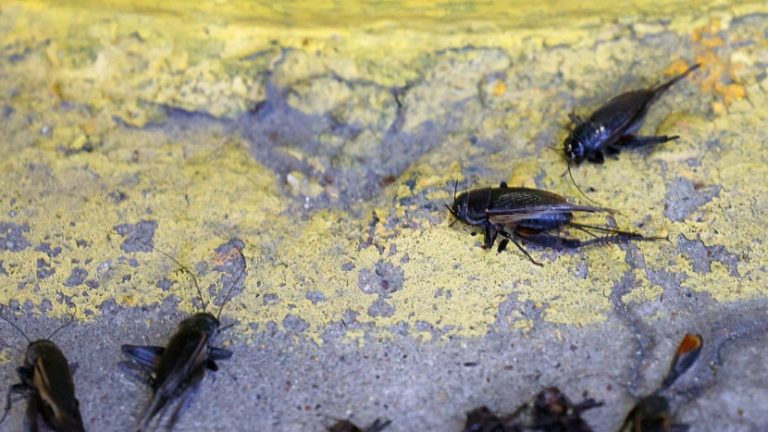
(175, 371)
(653, 413)
(347, 426)
(47, 384)
(519, 213)
(612, 127)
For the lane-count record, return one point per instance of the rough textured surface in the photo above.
(327, 152)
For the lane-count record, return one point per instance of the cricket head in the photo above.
(203, 322)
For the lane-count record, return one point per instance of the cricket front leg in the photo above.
(520, 247)
(490, 236)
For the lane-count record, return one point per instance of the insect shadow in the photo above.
(653, 413)
(46, 383)
(550, 411)
(174, 372)
(347, 426)
(530, 215)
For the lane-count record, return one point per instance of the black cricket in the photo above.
(176, 371)
(611, 128)
(347, 426)
(518, 213)
(46, 382)
(483, 420)
(554, 412)
(653, 413)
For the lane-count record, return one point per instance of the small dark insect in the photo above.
(176, 371)
(553, 412)
(528, 214)
(652, 413)
(348, 426)
(46, 382)
(483, 420)
(611, 128)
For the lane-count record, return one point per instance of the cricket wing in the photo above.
(71, 423)
(623, 113)
(184, 372)
(518, 198)
(147, 356)
(513, 216)
(52, 380)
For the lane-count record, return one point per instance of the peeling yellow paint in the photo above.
(204, 188)
(6, 357)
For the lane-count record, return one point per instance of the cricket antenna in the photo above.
(554, 149)
(570, 174)
(187, 271)
(453, 213)
(14, 325)
(455, 188)
(71, 319)
(232, 287)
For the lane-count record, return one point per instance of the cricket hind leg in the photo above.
(560, 242)
(628, 235)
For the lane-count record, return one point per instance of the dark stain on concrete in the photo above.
(384, 279)
(380, 308)
(77, 277)
(234, 269)
(12, 237)
(137, 237)
(52, 252)
(44, 269)
(702, 256)
(164, 284)
(295, 324)
(315, 296)
(270, 299)
(684, 197)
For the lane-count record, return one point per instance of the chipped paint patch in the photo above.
(124, 139)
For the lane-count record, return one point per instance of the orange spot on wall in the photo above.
(500, 88)
(712, 42)
(676, 68)
(731, 92)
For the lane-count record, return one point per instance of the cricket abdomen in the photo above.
(546, 222)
